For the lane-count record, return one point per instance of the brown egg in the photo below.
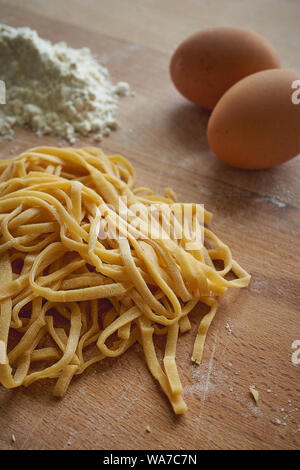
(207, 64)
(256, 124)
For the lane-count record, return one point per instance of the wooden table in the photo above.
(256, 213)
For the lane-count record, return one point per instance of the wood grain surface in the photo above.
(255, 212)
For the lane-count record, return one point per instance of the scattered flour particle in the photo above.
(122, 89)
(254, 408)
(282, 409)
(14, 150)
(148, 429)
(277, 421)
(13, 438)
(269, 390)
(277, 202)
(228, 328)
(230, 364)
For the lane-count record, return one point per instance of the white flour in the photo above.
(53, 88)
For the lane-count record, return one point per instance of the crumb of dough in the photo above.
(196, 361)
(13, 438)
(254, 393)
(148, 429)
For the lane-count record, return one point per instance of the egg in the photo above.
(256, 123)
(207, 64)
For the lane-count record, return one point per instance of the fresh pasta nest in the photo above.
(70, 297)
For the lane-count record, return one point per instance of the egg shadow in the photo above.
(254, 186)
(187, 123)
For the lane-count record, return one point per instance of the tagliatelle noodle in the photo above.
(72, 293)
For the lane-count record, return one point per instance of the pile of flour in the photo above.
(53, 88)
